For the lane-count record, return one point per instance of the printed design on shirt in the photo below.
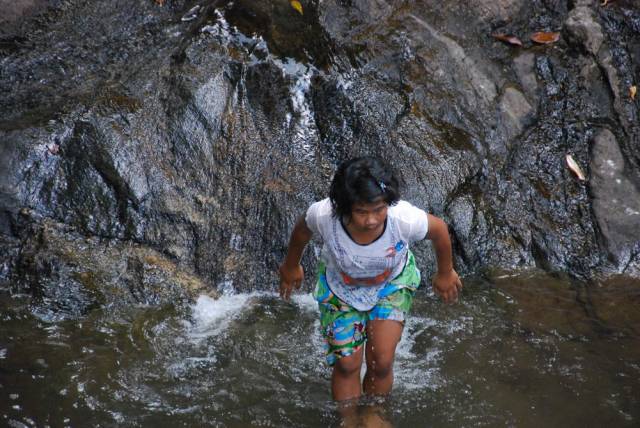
(342, 257)
(374, 280)
(392, 251)
(386, 263)
(337, 248)
(354, 273)
(349, 265)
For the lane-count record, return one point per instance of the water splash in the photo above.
(212, 316)
(417, 370)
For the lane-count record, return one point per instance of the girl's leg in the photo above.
(345, 379)
(382, 338)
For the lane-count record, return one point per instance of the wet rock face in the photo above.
(68, 273)
(616, 200)
(202, 134)
(14, 10)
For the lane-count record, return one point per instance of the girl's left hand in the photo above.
(447, 285)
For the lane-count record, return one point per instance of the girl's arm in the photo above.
(446, 282)
(291, 272)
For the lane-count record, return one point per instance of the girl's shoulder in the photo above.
(321, 208)
(404, 208)
(412, 221)
(319, 215)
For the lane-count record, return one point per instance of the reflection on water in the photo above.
(525, 350)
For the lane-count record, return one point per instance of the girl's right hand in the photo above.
(289, 278)
(447, 285)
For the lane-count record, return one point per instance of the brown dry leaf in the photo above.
(160, 2)
(575, 168)
(545, 38)
(297, 6)
(606, 2)
(507, 38)
(632, 92)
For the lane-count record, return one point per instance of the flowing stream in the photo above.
(525, 350)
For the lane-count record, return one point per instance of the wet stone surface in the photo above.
(201, 133)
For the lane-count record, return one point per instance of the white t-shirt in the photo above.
(356, 273)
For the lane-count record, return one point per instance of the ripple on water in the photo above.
(489, 360)
(416, 369)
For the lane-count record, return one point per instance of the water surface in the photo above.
(516, 350)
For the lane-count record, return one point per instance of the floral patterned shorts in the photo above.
(344, 327)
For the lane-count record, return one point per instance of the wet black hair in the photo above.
(362, 179)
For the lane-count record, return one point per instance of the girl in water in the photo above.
(367, 275)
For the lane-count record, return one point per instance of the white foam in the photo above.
(212, 316)
(305, 301)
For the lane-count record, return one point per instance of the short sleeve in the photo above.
(314, 214)
(413, 221)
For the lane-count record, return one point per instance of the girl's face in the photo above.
(368, 216)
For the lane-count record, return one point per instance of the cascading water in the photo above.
(301, 130)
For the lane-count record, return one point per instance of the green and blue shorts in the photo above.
(344, 328)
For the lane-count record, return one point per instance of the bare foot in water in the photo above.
(371, 417)
(354, 416)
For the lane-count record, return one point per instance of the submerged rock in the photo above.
(199, 142)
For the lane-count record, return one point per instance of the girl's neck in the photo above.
(363, 237)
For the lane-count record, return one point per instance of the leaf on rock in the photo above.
(160, 2)
(545, 38)
(606, 2)
(507, 38)
(575, 168)
(632, 92)
(297, 6)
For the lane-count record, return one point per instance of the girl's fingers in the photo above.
(284, 290)
(453, 294)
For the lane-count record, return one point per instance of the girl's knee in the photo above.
(380, 364)
(349, 366)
